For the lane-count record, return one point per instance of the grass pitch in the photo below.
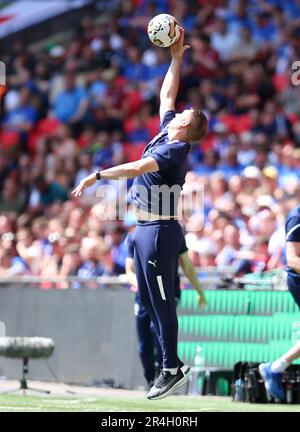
(19, 403)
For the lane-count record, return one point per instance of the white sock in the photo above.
(279, 365)
(173, 371)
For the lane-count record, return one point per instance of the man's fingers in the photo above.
(181, 35)
(77, 192)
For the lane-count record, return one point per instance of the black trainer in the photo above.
(166, 384)
(150, 384)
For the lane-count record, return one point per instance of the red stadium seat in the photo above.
(236, 125)
(129, 125)
(281, 82)
(46, 126)
(207, 142)
(134, 101)
(293, 118)
(9, 140)
(153, 125)
(133, 151)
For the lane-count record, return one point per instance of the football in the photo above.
(163, 30)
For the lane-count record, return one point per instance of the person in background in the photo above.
(71, 104)
(45, 193)
(272, 372)
(12, 264)
(22, 117)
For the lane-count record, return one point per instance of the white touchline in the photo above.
(161, 287)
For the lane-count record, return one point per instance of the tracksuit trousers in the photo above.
(156, 250)
(148, 345)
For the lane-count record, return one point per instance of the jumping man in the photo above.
(158, 235)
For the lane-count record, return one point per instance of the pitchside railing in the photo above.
(210, 277)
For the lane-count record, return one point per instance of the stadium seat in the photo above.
(134, 151)
(153, 125)
(9, 140)
(45, 127)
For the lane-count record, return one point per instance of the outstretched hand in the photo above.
(178, 48)
(85, 183)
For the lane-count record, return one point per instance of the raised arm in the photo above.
(169, 89)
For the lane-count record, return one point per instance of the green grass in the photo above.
(16, 403)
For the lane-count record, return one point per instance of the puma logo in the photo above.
(153, 263)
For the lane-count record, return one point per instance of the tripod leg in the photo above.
(23, 381)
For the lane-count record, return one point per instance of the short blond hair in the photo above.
(197, 129)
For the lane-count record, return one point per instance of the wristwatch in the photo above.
(98, 175)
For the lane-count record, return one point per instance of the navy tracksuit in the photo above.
(156, 250)
(157, 244)
(292, 230)
(148, 344)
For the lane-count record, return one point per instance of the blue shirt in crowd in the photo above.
(67, 103)
(19, 115)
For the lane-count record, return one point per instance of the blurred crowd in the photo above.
(92, 102)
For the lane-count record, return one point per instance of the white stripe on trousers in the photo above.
(161, 287)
